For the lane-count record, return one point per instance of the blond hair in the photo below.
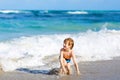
(70, 42)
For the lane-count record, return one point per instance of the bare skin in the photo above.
(67, 53)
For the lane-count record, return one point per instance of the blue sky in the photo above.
(61, 4)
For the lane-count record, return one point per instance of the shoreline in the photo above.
(96, 70)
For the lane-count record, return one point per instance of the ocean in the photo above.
(32, 38)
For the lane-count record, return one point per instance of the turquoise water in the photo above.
(28, 36)
(17, 23)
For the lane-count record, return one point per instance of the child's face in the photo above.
(66, 46)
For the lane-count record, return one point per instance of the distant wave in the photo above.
(42, 11)
(25, 11)
(89, 16)
(77, 12)
(9, 11)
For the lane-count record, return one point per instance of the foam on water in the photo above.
(30, 51)
(103, 45)
(9, 11)
(77, 12)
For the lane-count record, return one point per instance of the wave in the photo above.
(42, 12)
(86, 16)
(29, 11)
(30, 51)
(10, 11)
(77, 12)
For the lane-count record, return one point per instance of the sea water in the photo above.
(28, 37)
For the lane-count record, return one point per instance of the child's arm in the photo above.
(75, 63)
(61, 62)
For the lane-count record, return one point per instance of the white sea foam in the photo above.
(30, 51)
(77, 12)
(9, 11)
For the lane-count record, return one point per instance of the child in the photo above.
(66, 53)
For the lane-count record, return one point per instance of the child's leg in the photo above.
(68, 69)
(61, 70)
(64, 64)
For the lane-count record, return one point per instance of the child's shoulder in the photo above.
(62, 49)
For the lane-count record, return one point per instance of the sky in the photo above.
(60, 4)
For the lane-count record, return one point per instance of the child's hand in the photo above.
(65, 71)
(78, 72)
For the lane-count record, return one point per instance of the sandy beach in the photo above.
(98, 70)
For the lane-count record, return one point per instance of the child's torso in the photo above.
(67, 55)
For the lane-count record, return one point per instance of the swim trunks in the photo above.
(67, 60)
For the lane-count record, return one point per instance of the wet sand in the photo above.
(98, 70)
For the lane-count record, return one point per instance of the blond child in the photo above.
(66, 54)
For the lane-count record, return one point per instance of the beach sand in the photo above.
(97, 70)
